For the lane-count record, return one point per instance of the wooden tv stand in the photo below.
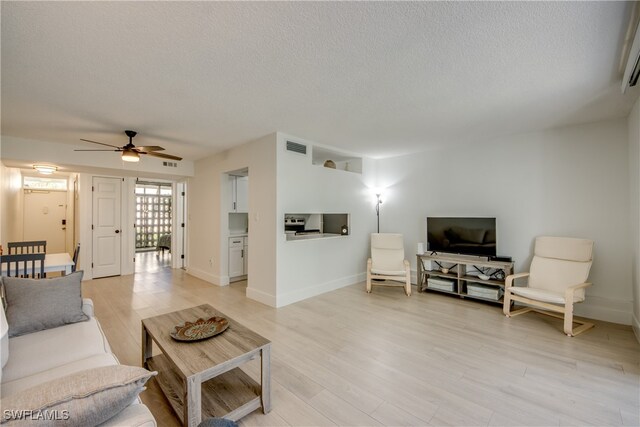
(459, 266)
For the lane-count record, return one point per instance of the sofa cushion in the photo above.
(544, 295)
(136, 415)
(387, 252)
(63, 345)
(557, 275)
(39, 304)
(21, 384)
(88, 397)
(564, 248)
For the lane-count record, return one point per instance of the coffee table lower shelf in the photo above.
(231, 395)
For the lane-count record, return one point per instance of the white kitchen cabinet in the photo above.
(242, 194)
(245, 255)
(238, 256)
(239, 193)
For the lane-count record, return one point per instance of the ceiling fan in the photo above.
(131, 153)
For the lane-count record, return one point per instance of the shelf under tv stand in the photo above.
(459, 266)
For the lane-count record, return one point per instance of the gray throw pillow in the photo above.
(86, 398)
(38, 304)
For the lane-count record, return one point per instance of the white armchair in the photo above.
(557, 279)
(387, 262)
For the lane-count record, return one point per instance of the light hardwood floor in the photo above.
(352, 358)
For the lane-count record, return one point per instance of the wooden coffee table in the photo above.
(203, 378)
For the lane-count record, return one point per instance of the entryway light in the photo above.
(130, 156)
(45, 169)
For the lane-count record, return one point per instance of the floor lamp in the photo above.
(378, 203)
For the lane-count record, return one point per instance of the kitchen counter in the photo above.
(292, 237)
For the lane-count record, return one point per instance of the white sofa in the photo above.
(37, 357)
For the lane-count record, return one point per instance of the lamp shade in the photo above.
(130, 156)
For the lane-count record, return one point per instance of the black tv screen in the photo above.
(468, 236)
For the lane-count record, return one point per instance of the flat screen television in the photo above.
(467, 236)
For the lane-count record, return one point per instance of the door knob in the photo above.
(117, 231)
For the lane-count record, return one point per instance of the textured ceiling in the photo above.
(375, 78)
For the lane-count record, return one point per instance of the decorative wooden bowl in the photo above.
(200, 329)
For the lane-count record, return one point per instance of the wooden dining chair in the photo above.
(23, 265)
(27, 247)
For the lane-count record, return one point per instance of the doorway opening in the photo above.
(238, 226)
(44, 212)
(154, 214)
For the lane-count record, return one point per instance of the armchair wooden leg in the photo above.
(569, 330)
(369, 276)
(580, 329)
(565, 313)
(506, 307)
(568, 315)
(568, 319)
(407, 278)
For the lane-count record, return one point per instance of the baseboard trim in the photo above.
(312, 291)
(607, 309)
(636, 327)
(261, 297)
(208, 277)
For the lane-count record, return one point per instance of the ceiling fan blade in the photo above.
(99, 150)
(101, 143)
(149, 148)
(164, 156)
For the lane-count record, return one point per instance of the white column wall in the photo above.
(85, 209)
(311, 267)
(207, 223)
(11, 196)
(572, 181)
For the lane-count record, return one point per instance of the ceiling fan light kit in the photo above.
(130, 156)
(131, 153)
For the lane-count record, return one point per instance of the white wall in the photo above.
(70, 216)
(280, 182)
(209, 196)
(311, 267)
(634, 199)
(567, 182)
(11, 197)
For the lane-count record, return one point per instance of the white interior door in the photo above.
(44, 214)
(106, 226)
